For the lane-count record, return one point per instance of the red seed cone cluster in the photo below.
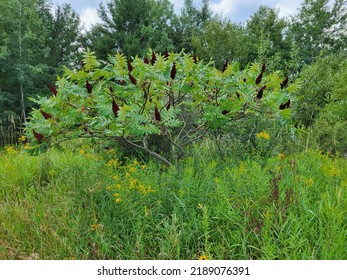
(285, 105)
(260, 92)
(115, 108)
(285, 82)
(53, 90)
(157, 116)
(45, 115)
(38, 136)
(173, 71)
(89, 87)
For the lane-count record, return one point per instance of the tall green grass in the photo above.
(87, 205)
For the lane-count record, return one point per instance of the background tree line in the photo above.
(38, 40)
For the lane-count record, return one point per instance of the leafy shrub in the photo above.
(172, 95)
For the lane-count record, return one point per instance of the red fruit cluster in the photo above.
(132, 79)
(157, 116)
(115, 108)
(285, 105)
(45, 115)
(259, 78)
(173, 71)
(260, 92)
(53, 89)
(284, 83)
(38, 136)
(89, 87)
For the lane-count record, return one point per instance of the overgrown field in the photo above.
(83, 204)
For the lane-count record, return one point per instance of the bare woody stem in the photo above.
(146, 149)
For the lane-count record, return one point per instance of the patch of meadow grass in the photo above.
(86, 205)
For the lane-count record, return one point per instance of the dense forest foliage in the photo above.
(38, 40)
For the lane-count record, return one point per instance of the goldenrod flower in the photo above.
(10, 150)
(334, 172)
(132, 183)
(263, 135)
(110, 151)
(22, 138)
(203, 258)
(132, 169)
(149, 189)
(113, 162)
(309, 182)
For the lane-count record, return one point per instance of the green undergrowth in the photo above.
(86, 205)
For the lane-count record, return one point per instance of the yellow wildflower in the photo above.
(127, 174)
(143, 167)
(118, 200)
(108, 188)
(309, 182)
(334, 172)
(203, 258)
(132, 169)
(116, 194)
(142, 188)
(22, 138)
(94, 227)
(149, 189)
(132, 183)
(115, 177)
(118, 186)
(10, 150)
(281, 156)
(135, 162)
(113, 162)
(216, 180)
(110, 151)
(263, 135)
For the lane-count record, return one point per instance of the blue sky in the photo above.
(236, 10)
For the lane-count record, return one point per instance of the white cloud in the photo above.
(243, 9)
(288, 8)
(89, 16)
(178, 5)
(224, 7)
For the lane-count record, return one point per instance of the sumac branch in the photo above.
(175, 96)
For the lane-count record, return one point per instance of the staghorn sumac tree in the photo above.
(172, 95)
